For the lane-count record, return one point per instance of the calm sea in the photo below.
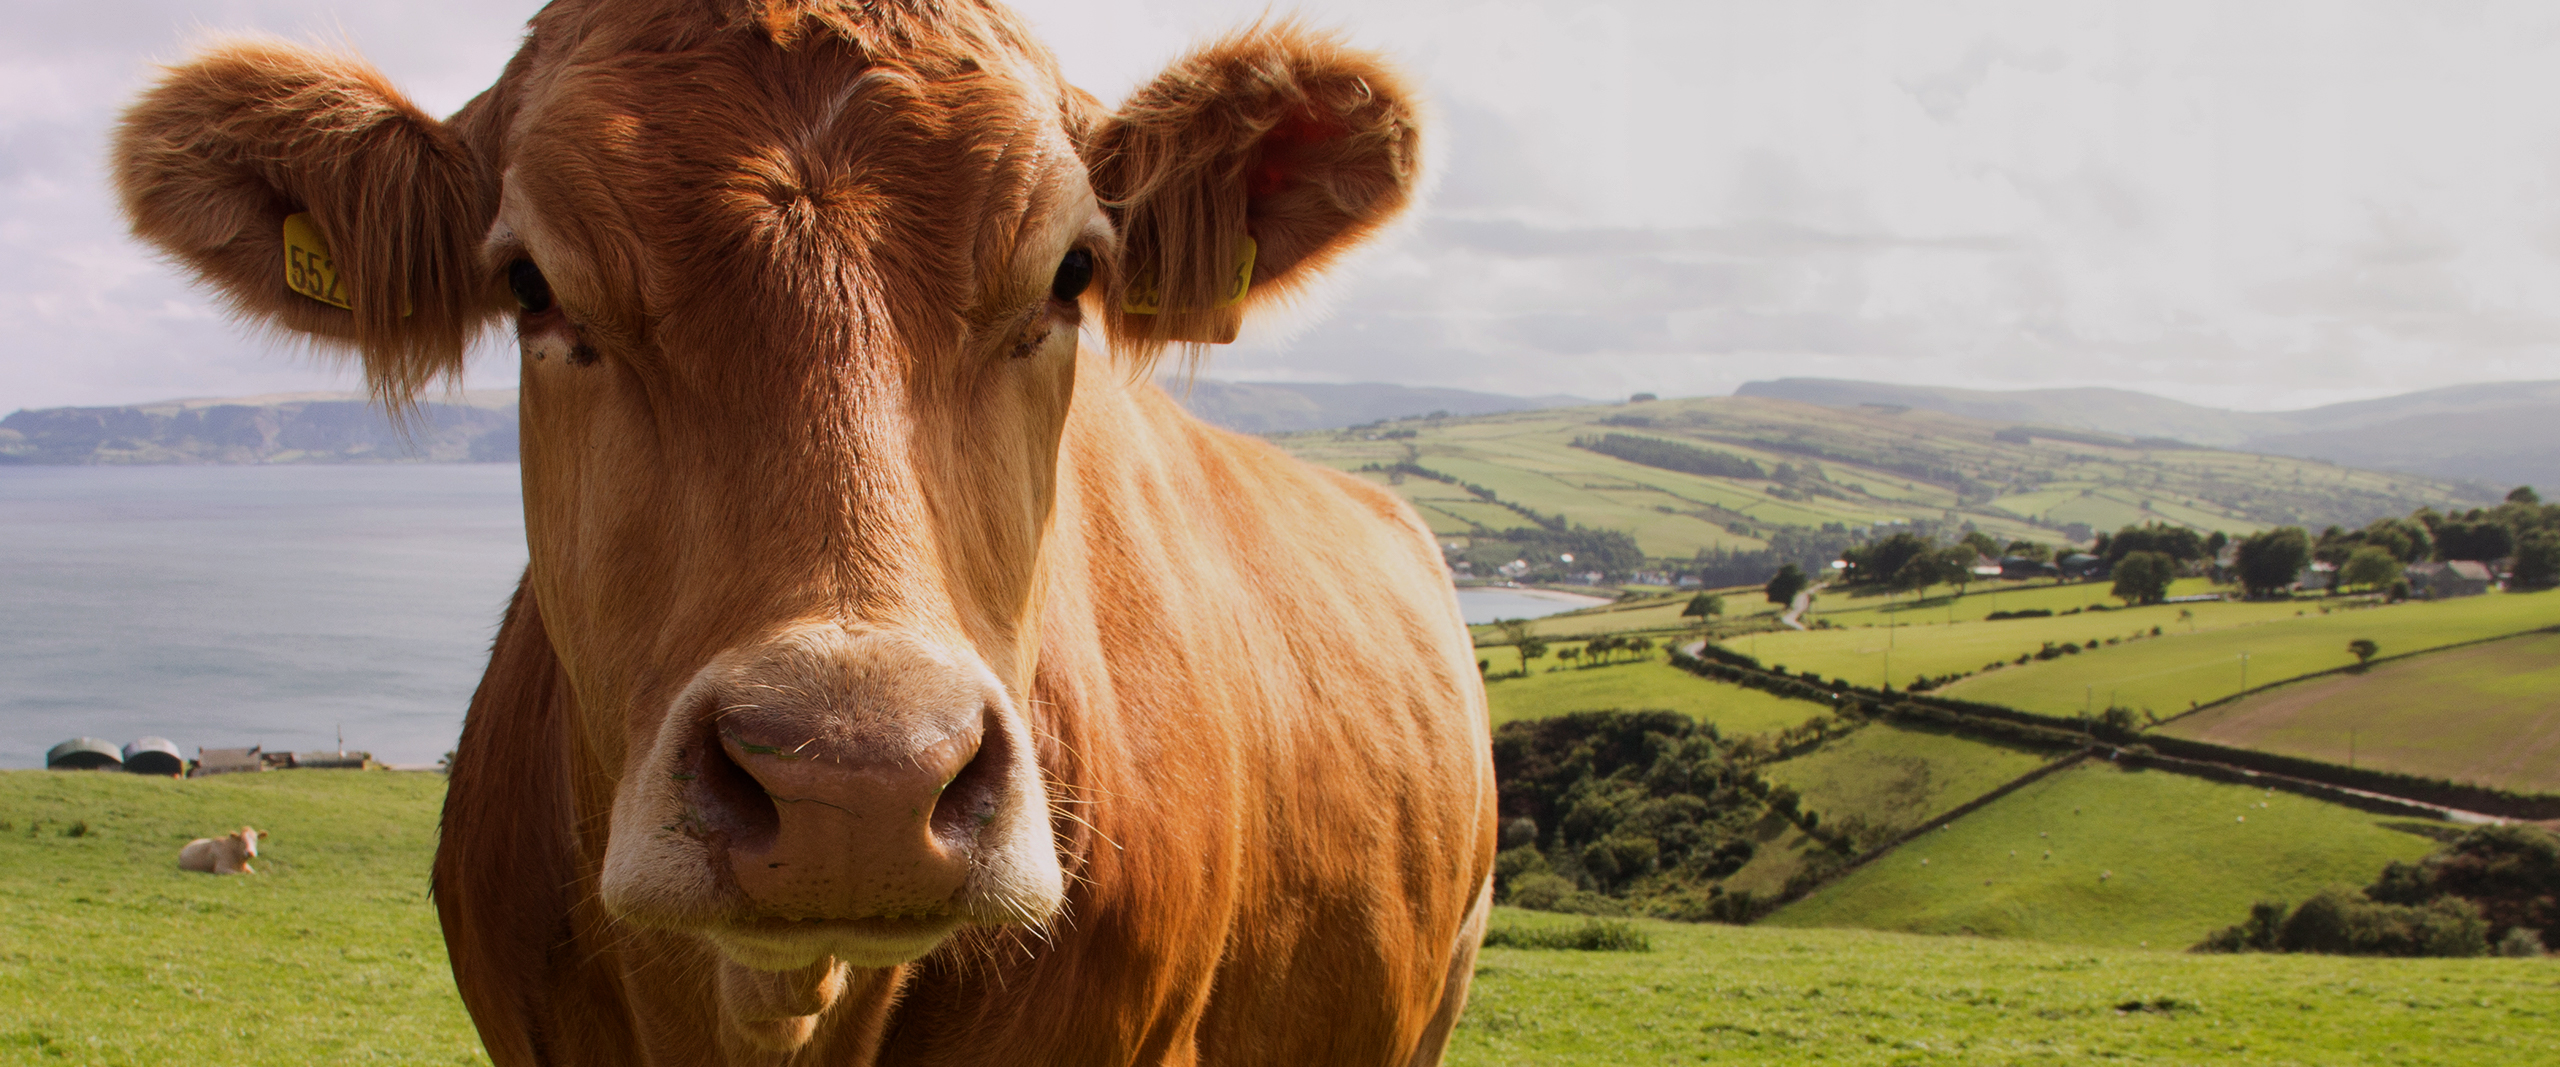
(222, 607)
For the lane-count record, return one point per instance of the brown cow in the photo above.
(893, 681)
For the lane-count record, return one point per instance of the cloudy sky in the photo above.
(2244, 203)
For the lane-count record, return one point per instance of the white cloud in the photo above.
(2241, 202)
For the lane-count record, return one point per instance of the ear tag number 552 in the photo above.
(308, 270)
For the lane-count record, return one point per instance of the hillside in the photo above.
(1288, 407)
(2487, 713)
(2497, 433)
(284, 428)
(1822, 473)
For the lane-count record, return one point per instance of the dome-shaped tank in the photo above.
(154, 755)
(83, 754)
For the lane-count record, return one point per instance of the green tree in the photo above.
(1530, 649)
(1955, 564)
(1515, 632)
(1981, 543)
(1702, 607)
(2271, 560)
(2364, 650)
(2537, 560)
(2523, 494)
(2371, 567)
(2143, 577)
(2028, 550)
(1784, 585)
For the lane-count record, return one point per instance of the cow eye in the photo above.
(533, 292)
(1074, 273)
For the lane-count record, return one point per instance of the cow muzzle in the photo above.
(839, 794)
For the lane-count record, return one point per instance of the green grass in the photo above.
(1635, 685)
(330, 954)
(2196, 658)
(1527, 458)
(2181, 857)
(2171, 674)
(1890, 777)
(1720, 994)
(2485, 713)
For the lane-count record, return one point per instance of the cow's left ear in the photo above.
(1240, 171)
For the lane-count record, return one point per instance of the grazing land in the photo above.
(1878, 782)
(1633, 685)
(2195, 659)
(1853, 467)
(2487, 713)
(2097, 855)
(1722, 994)
(330, 954)
(2173, 673)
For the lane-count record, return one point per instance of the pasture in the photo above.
(2172, 673)
(1884, 777)
(2097, 855)
(1634, 685)
(330, 954)
(2195, 658)
(2487, 713)
(1722, 994)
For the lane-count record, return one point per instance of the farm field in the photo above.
(2173, 673)
(2196, 658)
(329, 954)
(2487, 713)
(1723, 994)
(1854, 467)
(1886, 776)
(2135, 857)
(1637, 685)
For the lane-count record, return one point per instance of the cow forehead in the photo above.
(711, 173)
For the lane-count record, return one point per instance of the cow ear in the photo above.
(315, 198)
(1240, 171)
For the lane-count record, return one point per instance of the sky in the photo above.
(2243, 203)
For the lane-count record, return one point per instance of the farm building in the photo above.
(2461, 577)
(154, 755)
(83, 754)
(211, 761)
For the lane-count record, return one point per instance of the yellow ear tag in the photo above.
(1147, 298)
(308, 270)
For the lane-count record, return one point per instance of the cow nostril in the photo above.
(723, 801)
(969, 801)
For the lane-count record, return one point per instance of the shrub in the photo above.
(2519, 943)
(1540, 891)
(1594, 935)
(2340, 921)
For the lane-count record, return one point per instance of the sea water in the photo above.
(223, 607)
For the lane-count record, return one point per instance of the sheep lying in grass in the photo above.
(228, 854)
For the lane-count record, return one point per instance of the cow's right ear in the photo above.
(386, 206)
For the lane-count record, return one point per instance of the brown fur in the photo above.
(805, 373)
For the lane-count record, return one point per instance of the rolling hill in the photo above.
(2497, 433)
(1831, 470)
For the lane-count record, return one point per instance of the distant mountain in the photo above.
(2498, 434)
(481, 425)
(281, 428)
(1291, 407)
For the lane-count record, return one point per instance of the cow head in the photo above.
(798, 289)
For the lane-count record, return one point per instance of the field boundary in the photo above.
(1795, 892)
(2361, 799)
(2350, 668)
(2011, 724)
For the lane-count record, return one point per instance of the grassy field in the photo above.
(1856, 467)
(2195, 658)
(2485, 713)
(111, 955)
(1889, 777)
(2172, 674)
(1720, 994)
(2096, 855)
(1634, 685)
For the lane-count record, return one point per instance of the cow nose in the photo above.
(856, 830)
